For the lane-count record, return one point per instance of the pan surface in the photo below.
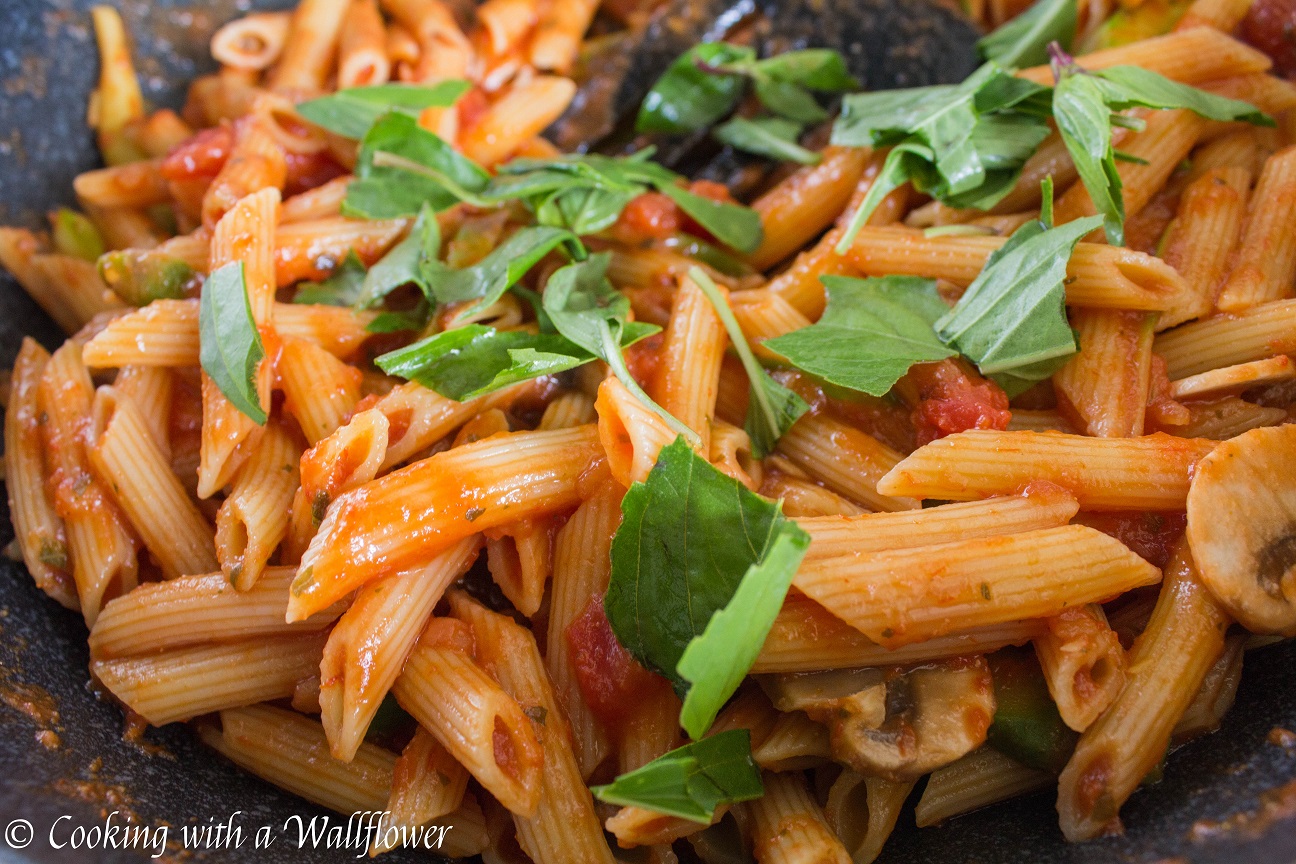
(47, 69)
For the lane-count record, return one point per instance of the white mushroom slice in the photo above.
(934, 715)
(1242, 527)
(802, 691)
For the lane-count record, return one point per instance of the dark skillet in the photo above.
(47, 68)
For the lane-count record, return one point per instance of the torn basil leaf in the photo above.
(351, 112)
(229, 345)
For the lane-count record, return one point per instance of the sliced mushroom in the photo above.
(933, 715)
(1242, 527)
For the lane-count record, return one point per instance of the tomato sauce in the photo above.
(200, 157)
(611, 681)
(952, 399)
(1152, 535)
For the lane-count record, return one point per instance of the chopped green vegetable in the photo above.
(692, 781)
(140, 276)
(352, 111)
(230, 347)
(689, 96)
(871, 332)
(74, 234)
(488, 279)
(1027, 726)
(771, 407)
(773, 137)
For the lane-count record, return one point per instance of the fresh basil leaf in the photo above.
(384, 192)
(734, 225)
(584, 210)
(405, 263)
(1133, 86)
(903, 162)
(1013, 315)
(788, 100)
(401, 322)
(1084, 120)
(819, 69)
(772, 137)
(229, 346)
(688, 535)
(343, 286)
(1024, 39)
(487, 280)
(350, 112)
(690, 96)
(871, 332)
(771, 407)
(1017, 381)
(691, 781)
(716, 662)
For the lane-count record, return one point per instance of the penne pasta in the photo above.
(1083, 663)
(320, 391)
(844, 459)
(1103, 389)
(252, 42)
(253, 518)
(1189, 56)
(1257, 333)
(689, 373)
(983, 777)
(309, 46)
(362, 47)
(1266, 258)
(787, 825)
(1202, 239)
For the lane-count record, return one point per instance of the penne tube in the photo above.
(251, 43)
(1223, 15)
(650, 727)
(322, 202)
(186, 682)
(1188, 56)
(362, 49)
(477, 722)
(1226, 418)
(257, 162)
(309, 47)
(310, 249)
(844, 459)
(981, 778)
(369, 645)
(558, 36)
(1098, 275)
(1215, 697)
(688, 374)
(135, 184)
(806, 637)
(1202, 238)
(564, 827)
(150, 389)
(1150, 472)
(320, 391)
(1266, 258)
(444, 51)
(1103, 389)
(101, 547)
(806, 202)
(1045, 420)
(1232, 380)
(763, 314)
(1167, 665)
(519, 561)
(139, 474)
(38, 528)
(909, 595)
(631, 433)
(785, 825)
(802, 498)
(253, 518)
(74, 285)
(427, 784)
(1083, 663)
(570, 409)
(192, 610)
(1262, 331)
(1040, 505)
(1162, 146)
(506, 23)
(370, 531)
(796, 743)
(289, 750)
(523, 112)
(863, 812)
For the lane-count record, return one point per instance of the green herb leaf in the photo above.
(716, 662)
(343, 287)
(402, 321)
(384, 192)
(351, 112)
(772, 137)
(819, 69)
(1024, 40)
(1131, 86)
(771, 407)
(871, 332)
(1083, 118)
(688, 535)
(735, 226)
(790, 101)
(691, 781)
(473, 360)
(1012, 318)
(229, 346)
(405, 263)
(487, 280)
(689, 96)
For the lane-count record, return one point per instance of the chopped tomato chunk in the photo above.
(1152, 536)
(611, 681)
(201, 156)
(650, 216)
(953, 399)
(1270, 25)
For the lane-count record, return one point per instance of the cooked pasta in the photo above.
(435, 449)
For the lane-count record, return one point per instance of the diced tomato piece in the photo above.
(1270, 25)
(1152, 536)
(650, 216)
(954, 399)
(612, 683)
(308, 170)
(642, 358)
(472, 105)
(202, 156)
